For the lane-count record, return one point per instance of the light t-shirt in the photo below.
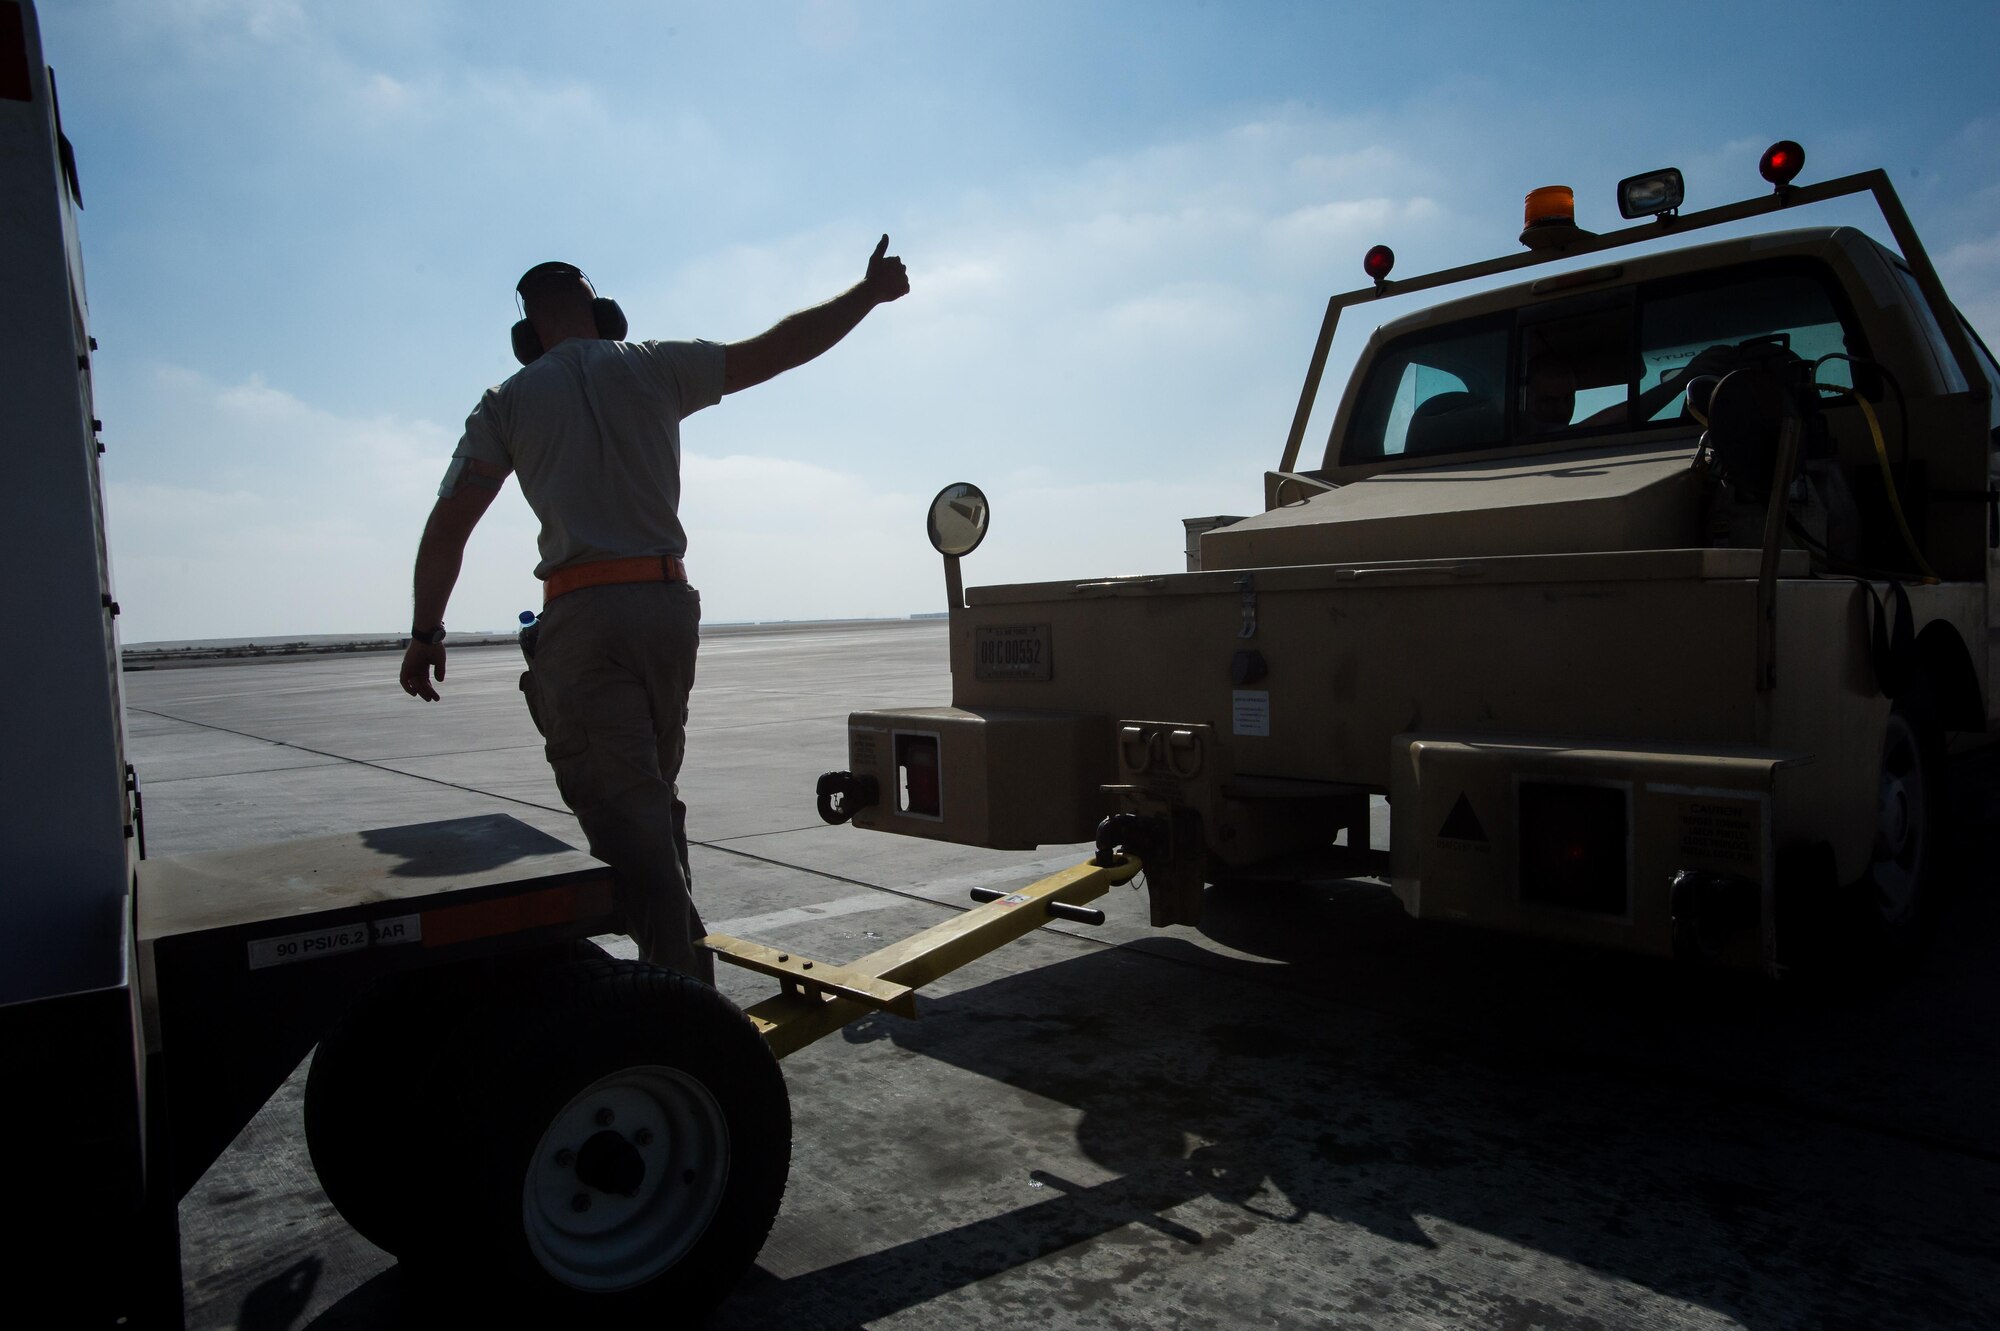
(592, 429)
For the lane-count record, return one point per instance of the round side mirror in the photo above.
(958, 518)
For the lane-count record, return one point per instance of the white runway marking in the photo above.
(778, 919)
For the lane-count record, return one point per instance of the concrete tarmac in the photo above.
(1309, 1112)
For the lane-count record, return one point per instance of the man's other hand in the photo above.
(886, 279)
(420, 661)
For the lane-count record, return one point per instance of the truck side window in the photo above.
(1991, 372)
(1920, 310)
(1433, 392)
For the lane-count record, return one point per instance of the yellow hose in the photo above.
(1888, 477)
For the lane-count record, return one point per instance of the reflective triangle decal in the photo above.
(1462, 824)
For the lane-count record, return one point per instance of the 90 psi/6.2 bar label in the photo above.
(329, 942)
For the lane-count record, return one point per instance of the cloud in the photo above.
(1971, 272)
(1972, 259)
(829, 26)
(1109, 344)
(260, 21)
(1098, 353)
(771, 538)
(317, 530)
(196, 563)
(1130, 310)
(241, 510)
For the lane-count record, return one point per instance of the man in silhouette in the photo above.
(592, 428)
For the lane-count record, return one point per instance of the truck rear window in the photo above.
(1439, 392)
(1584, 366)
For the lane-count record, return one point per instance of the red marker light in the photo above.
(1782, 161)
(1377, 263)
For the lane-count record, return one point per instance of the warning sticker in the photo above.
(398, 929)
(1462, 829)
(1720, 832)
(311, 946)
(307, 947)
(1250, 712)
(1462, 824)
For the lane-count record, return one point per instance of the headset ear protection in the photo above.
(610, 319)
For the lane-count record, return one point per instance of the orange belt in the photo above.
(602, 572)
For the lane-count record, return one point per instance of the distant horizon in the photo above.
(483, 635)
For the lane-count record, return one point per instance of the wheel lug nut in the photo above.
(643, 1137)
(605, 1117)
(565, 1158)
(580, 1202)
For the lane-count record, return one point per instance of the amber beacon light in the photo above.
(1549, 218)
(1551, 205)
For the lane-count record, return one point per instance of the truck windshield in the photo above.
(1616, 360)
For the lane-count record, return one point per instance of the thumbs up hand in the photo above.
(886, 279)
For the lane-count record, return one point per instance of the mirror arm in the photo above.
(954, 585)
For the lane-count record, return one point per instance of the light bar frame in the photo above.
(1875, 182)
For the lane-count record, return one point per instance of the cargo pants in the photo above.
(608, 679)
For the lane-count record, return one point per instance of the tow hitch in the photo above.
(840, 794)
(816, 998)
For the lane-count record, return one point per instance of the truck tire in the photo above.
(633, 1149)
(384, 1079)
(1896, 899)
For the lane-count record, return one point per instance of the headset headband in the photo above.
(553, 268)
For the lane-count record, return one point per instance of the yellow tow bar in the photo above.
(816, 998)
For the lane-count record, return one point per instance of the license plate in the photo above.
(1012, 651)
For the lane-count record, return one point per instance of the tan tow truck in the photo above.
(1647, 591)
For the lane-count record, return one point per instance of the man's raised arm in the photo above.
(797, 338)
(439, 555)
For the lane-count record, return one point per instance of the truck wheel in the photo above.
(637, 1145)
(1897, 897)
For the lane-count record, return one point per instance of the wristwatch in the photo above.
(429, 637)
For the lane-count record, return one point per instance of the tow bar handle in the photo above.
(819, 1001)
(1060, 910)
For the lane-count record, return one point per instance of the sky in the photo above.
(1121, 221)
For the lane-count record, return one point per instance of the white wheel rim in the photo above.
(602, 1239)
(1898, 860)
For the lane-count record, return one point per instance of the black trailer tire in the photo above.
(635, 1147)
(372, 1076)
(389, 1076)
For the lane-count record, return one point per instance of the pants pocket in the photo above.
(533, 696)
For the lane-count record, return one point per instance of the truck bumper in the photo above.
(1659, 850)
